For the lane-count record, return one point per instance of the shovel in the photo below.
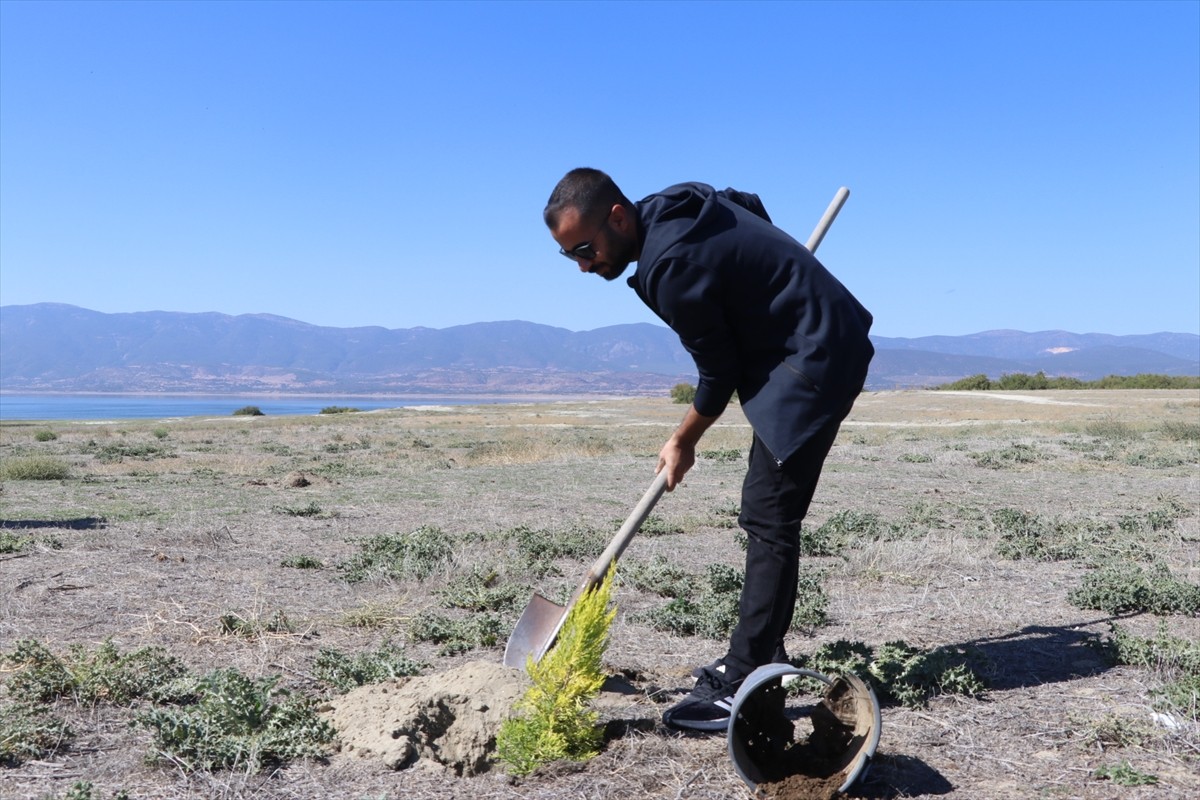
(540, 622)
(542, 619)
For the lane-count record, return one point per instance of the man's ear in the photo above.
(619, 218)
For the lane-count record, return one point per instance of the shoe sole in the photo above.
(700, 725)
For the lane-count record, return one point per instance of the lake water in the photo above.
(165, 406)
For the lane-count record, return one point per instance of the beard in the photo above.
(622, 251)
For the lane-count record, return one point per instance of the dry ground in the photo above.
(155, 549)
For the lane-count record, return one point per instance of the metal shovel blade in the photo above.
(535, 632)
(542, 619)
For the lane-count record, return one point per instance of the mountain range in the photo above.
(64, 348)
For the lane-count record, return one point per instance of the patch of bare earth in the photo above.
(155, 551)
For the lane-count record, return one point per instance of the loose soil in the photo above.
(449, 719)
(796, 747)
(154, 549)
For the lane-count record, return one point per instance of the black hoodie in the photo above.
(756, 310)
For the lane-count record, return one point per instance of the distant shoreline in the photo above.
(539, 397)
(26, 407)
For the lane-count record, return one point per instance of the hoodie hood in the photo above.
(683, 213)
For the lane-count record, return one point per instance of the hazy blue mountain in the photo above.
(57, 347)
(1021, 345)
(901, 368)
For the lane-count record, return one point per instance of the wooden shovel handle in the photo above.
(831, 213)
(617, 546)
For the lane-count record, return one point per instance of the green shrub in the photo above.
(842, 529)
(1121, 587)
(340, 469)
(248, 411)
(339, 410)
(38, 676)
(1006, 457)
(537, 549)
(812, 604)
(34, 468)
(11, 543)
(117, 452)
(1158, 460)
(1116, 730)
(660, 575)
(1163, 651)
(457, 634)
(554, 720)
(344, 672)
(338, 446)
(726, 515)
(302, 562)
(842, 657)
(1163, 518)
(373, 615)
(900, 672)
(725, 456)
(45, 436)
(918, 520)
(1021, 381)
(1123, 774)
(655, 525)
(310, 510)
(237, 723)
(397, 556)
(978, 382)
(251, 627)
(484, 590)
(30, 732)
(1181, 431)
(1028, 536)
(1111, 429)
(713, 613)
(84, 790)
(160, 433)
(683, 393)
(100, 676)
(911, 676)
(1180, 696)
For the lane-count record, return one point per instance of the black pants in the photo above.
(775, 498)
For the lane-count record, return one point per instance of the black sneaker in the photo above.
(707, 707)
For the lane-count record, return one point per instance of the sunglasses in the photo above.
(587, 250)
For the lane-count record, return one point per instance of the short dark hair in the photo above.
(588, 190)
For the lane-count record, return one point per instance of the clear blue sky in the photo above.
(1014, 165)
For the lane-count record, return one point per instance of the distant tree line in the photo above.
(1020, 380)
(686, 392)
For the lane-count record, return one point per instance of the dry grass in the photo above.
(156, 548)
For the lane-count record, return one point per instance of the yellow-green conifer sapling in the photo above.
(554, 719)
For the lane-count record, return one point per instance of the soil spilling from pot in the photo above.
(447, 720)
(813, 768)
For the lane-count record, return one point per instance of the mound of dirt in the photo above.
(449, 719)
(299, 480)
